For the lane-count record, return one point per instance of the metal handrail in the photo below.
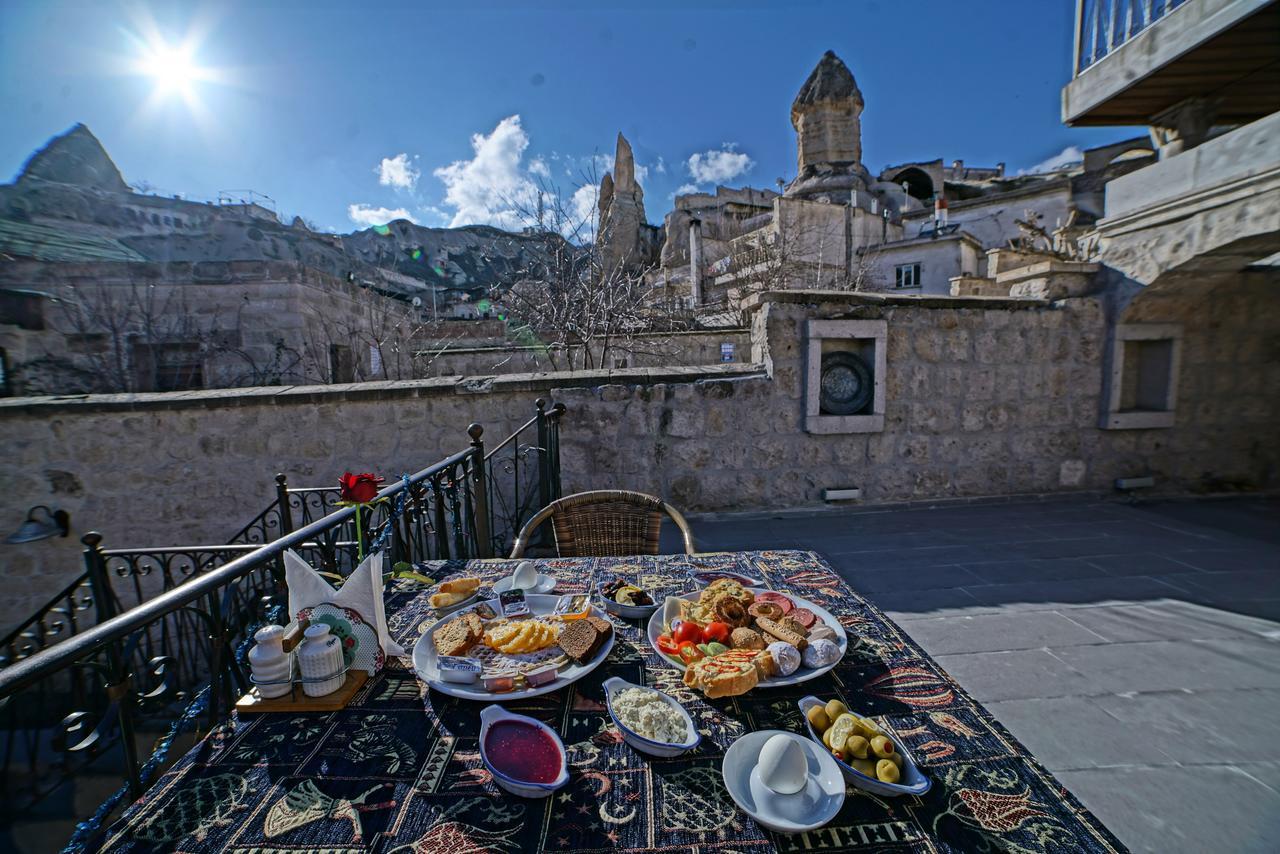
(1102, 26)
(49, 661)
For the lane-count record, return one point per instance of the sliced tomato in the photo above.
(668, 645)
(688, 633)
(690, 653)
(718, 632)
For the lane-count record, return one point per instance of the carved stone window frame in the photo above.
(865, 332)
(1116, 418)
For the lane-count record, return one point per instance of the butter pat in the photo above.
(464, 671)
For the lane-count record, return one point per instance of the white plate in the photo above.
(804, 674)
(913, 782)
(808, 809)
(545, 584)
(424, 662)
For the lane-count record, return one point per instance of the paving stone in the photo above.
(1137, 564)
(1168, 620)
(1238, 584)
(1074, 732)
(904, 604)
(1177, 810)
(1002, 572)
(1229, 560)
(1176, 665)
(1082, 591)
(1016, 675)
(1201, 727)
(871, 580)
(997, 632)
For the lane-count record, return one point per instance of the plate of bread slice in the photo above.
(729, 639)
(513, 647)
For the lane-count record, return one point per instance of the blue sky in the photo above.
(342, 111)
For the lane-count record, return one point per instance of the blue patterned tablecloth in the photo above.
(399, 770)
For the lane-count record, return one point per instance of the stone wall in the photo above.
(985, 396)
(681, 348)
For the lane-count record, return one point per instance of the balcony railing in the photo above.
(1104, 25)
(147, 638)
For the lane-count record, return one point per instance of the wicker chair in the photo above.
(605, 523)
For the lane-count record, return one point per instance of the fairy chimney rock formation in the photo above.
(826, 117)
(75, 157)
(624, 238)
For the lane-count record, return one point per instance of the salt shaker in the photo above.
(269, 663)
(320, 661)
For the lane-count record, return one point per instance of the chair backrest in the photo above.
(605, 523)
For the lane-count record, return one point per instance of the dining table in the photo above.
(399, 768)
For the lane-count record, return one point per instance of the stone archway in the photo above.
(919, 184)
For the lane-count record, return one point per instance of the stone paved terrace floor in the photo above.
(1134, 648)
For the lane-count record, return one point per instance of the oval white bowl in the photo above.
(628, 612)
(647, 745)
(522, 788)
(913, 782)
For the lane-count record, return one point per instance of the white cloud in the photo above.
(1067, 156)
(661, 166)
(398, 172)
(686, 189)
(719, 166)
(490, 187)
(367, 215)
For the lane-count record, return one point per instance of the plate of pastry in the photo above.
(729, 639)
(453, 593)
(513, 647)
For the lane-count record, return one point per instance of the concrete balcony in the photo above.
(1212, 209)
(1138, 59)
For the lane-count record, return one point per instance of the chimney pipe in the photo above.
(695, 259)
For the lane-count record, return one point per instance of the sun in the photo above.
(173, 68)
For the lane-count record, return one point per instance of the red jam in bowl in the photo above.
(522, 752)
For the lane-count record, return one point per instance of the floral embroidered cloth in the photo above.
(399, 769)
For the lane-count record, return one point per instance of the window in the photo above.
(906, 276)
(168, 367)
(1144, 376)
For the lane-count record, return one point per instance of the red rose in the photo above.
(358, 488)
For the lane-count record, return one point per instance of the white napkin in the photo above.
(361, 592)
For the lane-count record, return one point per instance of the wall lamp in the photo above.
(55, 523)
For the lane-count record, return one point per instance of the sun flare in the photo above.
(172, 68)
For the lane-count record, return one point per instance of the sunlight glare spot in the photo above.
(172, 68)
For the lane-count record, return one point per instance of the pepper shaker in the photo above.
(320, 661)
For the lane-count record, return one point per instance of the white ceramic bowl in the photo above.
(614, 685)
(521, 788)
(913, 782)
(628, 612)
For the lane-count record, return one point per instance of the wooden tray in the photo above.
(296, 701)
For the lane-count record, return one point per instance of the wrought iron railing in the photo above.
(1104, 25)
(148, 636)
(523, 473)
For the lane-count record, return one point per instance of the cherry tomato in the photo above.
(688, 633)
(718, 632)
(668, 645)
(690, 652)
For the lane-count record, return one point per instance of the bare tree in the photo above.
(584, 310)
(361, 321)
